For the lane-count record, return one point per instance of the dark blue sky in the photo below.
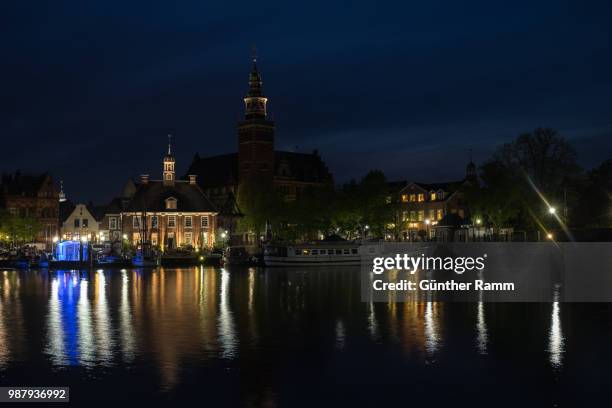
(89, 92)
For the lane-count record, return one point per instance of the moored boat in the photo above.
(325, 252)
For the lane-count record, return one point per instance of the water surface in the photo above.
(291, 337)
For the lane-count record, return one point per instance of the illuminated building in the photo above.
(421, 206)
(168, 213)
(32, 196)
(256, 160)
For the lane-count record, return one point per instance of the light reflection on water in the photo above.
(177, 318)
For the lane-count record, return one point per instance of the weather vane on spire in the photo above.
(254, 53)
(169, 144)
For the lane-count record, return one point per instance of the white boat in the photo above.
(319, 253)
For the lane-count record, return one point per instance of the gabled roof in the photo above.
(151, 196)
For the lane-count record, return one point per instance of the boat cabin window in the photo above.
(305, 251)
(353, 250)
(338, 252)
(322, 251)
(346, 251)
(315, 252)
(298, 252)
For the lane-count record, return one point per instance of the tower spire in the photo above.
(169, 174)
(255, 101)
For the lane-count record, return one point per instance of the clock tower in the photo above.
(255, 134)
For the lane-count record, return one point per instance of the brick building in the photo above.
(35, 197)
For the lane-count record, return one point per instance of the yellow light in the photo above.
(549, 236)
(55, 239)
(427, 221)
(478, 221)
(552, 210)
(201, 258)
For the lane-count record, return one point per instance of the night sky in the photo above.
(89, 92)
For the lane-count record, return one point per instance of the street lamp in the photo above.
(549, 236)
(552, 210)
(427, 222)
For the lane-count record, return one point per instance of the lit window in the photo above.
(404, 198)
(440, 214)
(188, 221)
(421, 197)
(404, 215)
(432, 214)
(171, 203)
(171, 221)
(188, 238)
(112, 223)
(136, 221)
(204, 221)
(412, 198)
(432, 196)
(421, 215)
(413, 216)
(154, 238)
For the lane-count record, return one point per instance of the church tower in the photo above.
(169, 174)
(255, 134)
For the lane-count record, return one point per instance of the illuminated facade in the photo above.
(168, 213)
(80, 223)
(32, 196)
(421, 206)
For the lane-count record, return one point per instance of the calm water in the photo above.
(275, 337)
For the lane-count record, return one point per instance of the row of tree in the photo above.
(517, 186)
(538, 171)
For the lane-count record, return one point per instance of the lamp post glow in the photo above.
(552, 210)
(549, 236)
(478, 221)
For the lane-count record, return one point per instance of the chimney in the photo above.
(192, 179)
(144, 178)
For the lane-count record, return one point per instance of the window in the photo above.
(188, 238)
(338, 252)
(413, 216)
(171, 203)
(440, 195)
(421, 197)
(188, 221)
(298, 252)
(432, 215)
(136, 221)
(204, 221)
(171, 221)
(168, 176)
(346, 251)
(404, 198)
(315, 252)
(322, 251)
(432, 196)
(353, 250)
(404, 215)
(412, 198)
(439, 214)
(112, 223)
(85, 222)
(421, 215)
(154, 221)
(77, 223)
(154, 238)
